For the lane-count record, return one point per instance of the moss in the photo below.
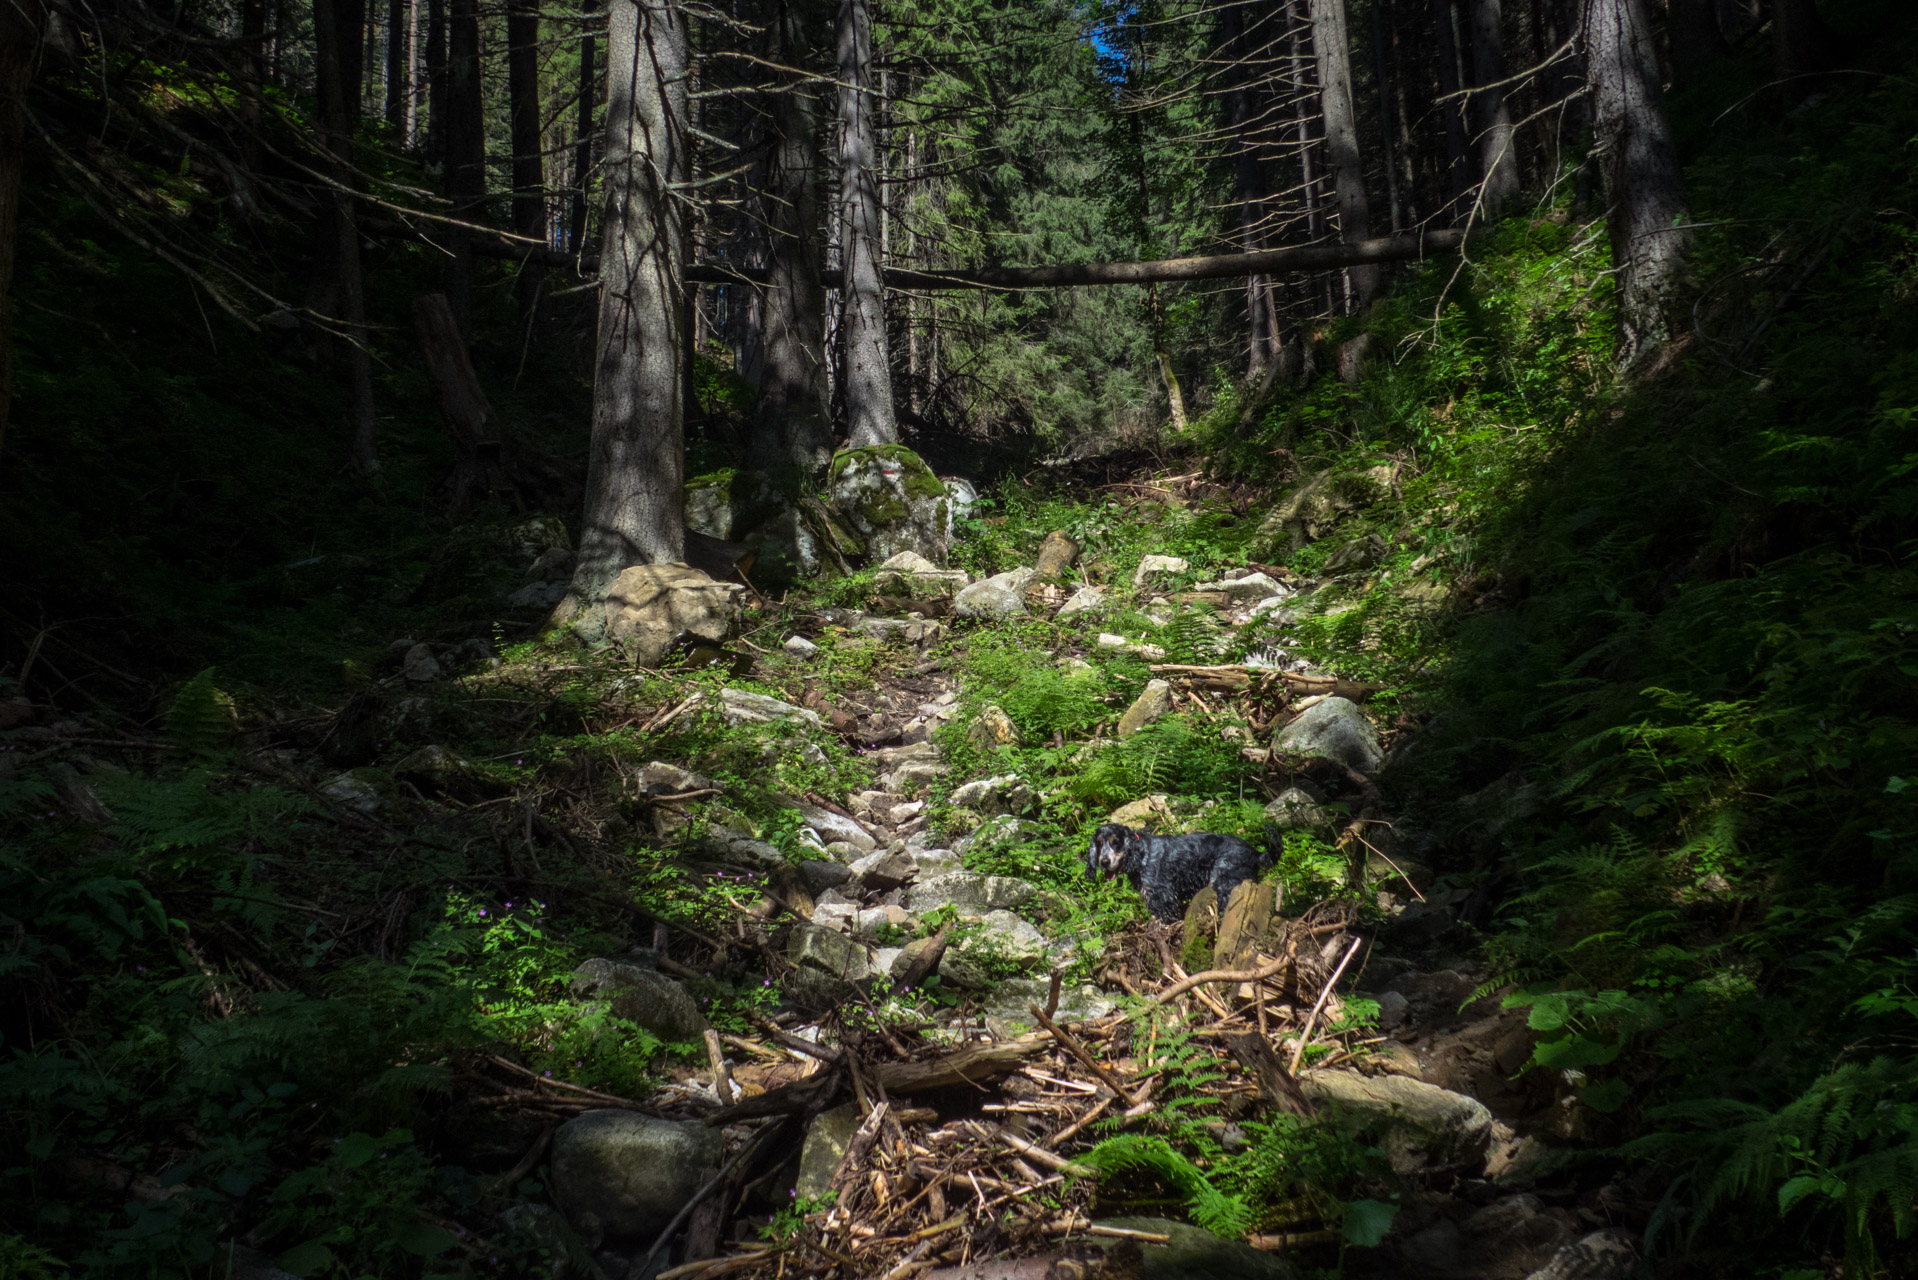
(919, 481)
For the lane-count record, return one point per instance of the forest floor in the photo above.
(823, 893)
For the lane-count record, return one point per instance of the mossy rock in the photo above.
(891, 499)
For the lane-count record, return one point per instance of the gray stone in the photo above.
(1158, 566)
(990, 834)
(911, 574)
(1155, 702)
(437, 770)
(644, 996)
(652, 607)
(1360, 553)
(738, 706)
(1424, 1124)
(821, 876)
(993, 728)
(661, 779)
(538, 595)
(892, 500)
(620, 1175)
(979, 959)
(825, 1147)
(419, 664)
(1392, 1007)
(1335, 729)
(999, 596)
(1008, 1012)
(743, 850)
(830, 953)
(883, 872)
(1255, 586)
(973, 895)
(800, 647)
(919, 631)
(835, 915)
(352, 791)
(1603, 1255)
(1084, 600)
(1007, 794)
(1193, 1253)
(835, 827)
(1295, 810)
(936, 862)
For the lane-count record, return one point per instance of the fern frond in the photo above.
(1210, 1208)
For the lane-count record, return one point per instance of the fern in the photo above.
(202, 717)
(1848, 1143)
(1210, 1208)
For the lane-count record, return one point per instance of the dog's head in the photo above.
(1106, 855)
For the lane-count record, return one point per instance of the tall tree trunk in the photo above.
(397, 79)
(22, 23)
(436, 83)
(1333, 47)
(791, 423)
(1394, 205)
(1302, 121)
(1640, 165)
(410, 120)
(1491, 114)
(635, 501)
(529, 173)
(1458, 166)
(252, 79)
(583, 148)
(1248, 192)
(867, 368)
(465, 153)
(337, 32)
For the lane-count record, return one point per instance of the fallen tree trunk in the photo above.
(1221, 266)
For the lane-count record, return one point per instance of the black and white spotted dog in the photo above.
(1169, 870)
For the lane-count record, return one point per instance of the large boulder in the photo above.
(652, 607)
(739, 706)
(619, 1175)
(892, 500)
(750, 509)
(973, 894)
(1423, 1124)
(1334, 729)
(1009, 1012)
(1294, 809)
(641, 995)
(828, 952)
(1002, 941)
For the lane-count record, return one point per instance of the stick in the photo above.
(655, 725)
(527, 1161)
(1260, 974)
(1080, 1052)
(1073, 1224)
(1039, 1155)
(722, 1076)
(1072, 1130)
(1305, 1037)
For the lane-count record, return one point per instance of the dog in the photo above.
(1169, 870)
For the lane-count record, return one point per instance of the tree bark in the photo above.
(22, 22)
(583, 149)
(1261, 340)
(1380, 73)
(337, 32)
(465, 152)
(436, 83)
(529, 172)
(1332, 46)
(791, 423)
(1640, 165)
(398, 79)
(1451, 108)
(1491, 114)
(477, 446)
(866, 367)
(635, 504)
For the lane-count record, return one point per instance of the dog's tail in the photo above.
(1274, 845)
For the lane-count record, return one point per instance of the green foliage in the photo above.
(1209, 1207)
(1172, 754)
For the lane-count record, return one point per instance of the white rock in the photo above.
(737, 706)
(1151, 565)
(1084, 600)
(1256, 586)
(800, 647)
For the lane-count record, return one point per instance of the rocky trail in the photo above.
(854, 1133)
